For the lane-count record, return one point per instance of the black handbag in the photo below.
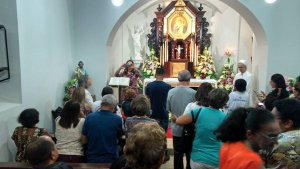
(188, 134)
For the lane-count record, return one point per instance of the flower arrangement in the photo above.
(205, 68)
(150, 64)
(69, 89)
(290, 82)
(226, 79)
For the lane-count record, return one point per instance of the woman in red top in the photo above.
(244, 133)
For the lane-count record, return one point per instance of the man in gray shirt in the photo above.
(178, 98)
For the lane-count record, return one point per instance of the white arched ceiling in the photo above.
(220, 6)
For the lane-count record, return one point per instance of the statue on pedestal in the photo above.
(136, 36)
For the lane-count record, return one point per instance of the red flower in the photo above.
(202, 76)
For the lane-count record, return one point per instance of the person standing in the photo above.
(101, 131)
(157, 91)
(178, 98)
(247, 76)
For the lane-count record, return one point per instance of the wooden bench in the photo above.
(74, 165)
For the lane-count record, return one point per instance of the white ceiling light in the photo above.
(270, 1)
(117, 2)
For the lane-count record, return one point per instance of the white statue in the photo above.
(136, 36)
(179, 48)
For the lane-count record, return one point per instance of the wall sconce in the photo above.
(228, 52)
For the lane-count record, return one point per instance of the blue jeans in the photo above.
(179, 151)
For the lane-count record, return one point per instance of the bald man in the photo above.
(247, 76)
(42, 154)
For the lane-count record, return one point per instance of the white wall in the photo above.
(11, 89)
(93, 22)
(45, 59)
(281, 24)
(227, 30)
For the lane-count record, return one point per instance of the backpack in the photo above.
(188, 134)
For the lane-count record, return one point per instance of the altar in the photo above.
(179, 35)
(174, 82)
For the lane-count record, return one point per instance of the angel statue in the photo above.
(136, 34)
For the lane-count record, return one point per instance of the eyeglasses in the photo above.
(270, 138)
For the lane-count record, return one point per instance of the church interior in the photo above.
(47, 38)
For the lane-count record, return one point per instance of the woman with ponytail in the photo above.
(244, 133)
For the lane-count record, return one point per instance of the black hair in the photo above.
(289, 109)
(107, 90)
(218, 98)
(269, 101)
(80, 62)
(235, 127)
(129, 61)
(298, 79)
(297, 86)
(29, 117)
(160, 71)
(39, 151)
(202, 94)
(240, 85)
(70, 115)
(279, 81)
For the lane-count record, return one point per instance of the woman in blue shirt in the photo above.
(205, 151)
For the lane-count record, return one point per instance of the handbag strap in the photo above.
(194, 120)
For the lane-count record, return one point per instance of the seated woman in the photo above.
(244, 133)
(68, 133)
(130, 94)
(148, 155)
(79, 97)
(286, 153)
(279, 91)
(140, 107)
(206, 146)
(27, 133)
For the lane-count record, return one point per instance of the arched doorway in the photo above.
(259, 49)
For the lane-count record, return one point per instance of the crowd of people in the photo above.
(229, 131)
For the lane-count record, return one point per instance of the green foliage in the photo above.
(150, 64)
(69, 88)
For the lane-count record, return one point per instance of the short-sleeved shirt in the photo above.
(22, 136)
(206, 146)
(236, 100)
(132, 121)
(238, 156)
(158, 93)
(68, 140)
(178, 98)
(191, 106)
(102, 130)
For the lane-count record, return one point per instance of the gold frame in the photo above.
(179, 25)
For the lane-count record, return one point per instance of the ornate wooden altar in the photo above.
(178, 36)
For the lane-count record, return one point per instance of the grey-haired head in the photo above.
(109, 100)
(184, 75)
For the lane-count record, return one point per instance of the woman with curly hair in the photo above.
(28, 132)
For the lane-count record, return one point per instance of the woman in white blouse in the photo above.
(68, 133)
(201, 97)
